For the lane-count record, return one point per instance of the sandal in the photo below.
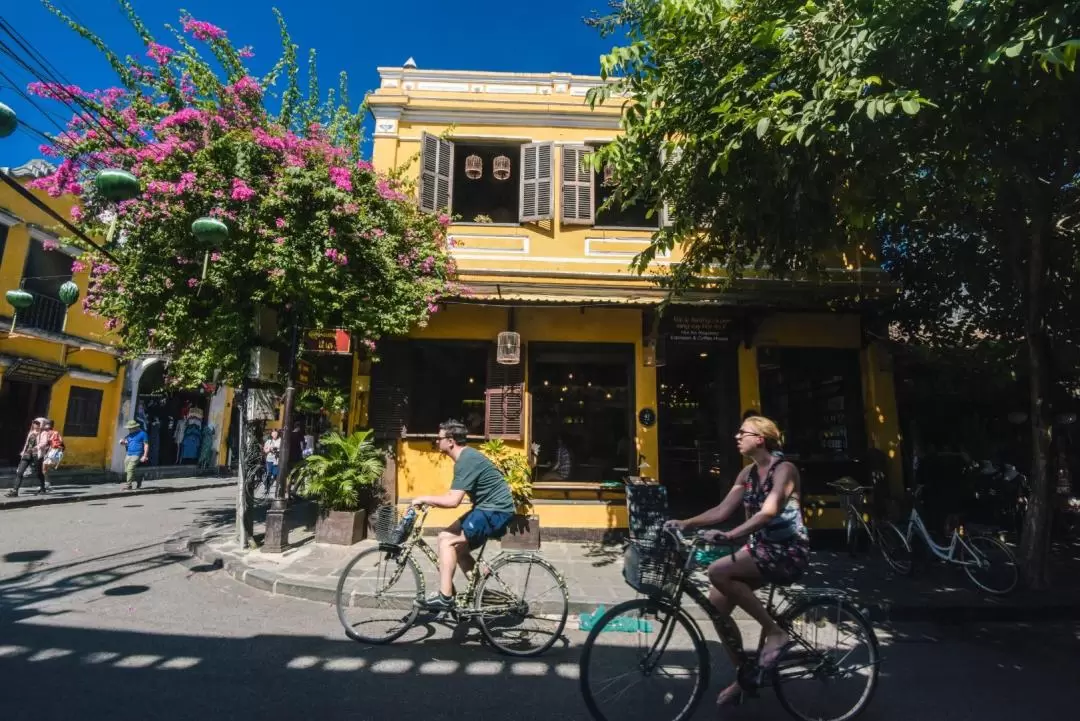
(771, 656)
(730, 696)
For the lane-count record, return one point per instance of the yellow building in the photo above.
(61, 363)
(602, 378)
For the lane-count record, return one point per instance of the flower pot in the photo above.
(342, 528)
(523, 534)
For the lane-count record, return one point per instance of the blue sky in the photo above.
(355, 36)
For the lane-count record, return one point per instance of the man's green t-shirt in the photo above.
(481, 480)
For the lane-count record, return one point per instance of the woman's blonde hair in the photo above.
(767, 429)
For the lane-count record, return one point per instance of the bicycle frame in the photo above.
(749, 674)
(416, 540)
(916, 526)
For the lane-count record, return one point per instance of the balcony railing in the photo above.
(47, 313)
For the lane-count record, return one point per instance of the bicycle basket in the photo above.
(393, 527)
(652, 569)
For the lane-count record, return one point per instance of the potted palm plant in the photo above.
(343, 478)
(524, 530)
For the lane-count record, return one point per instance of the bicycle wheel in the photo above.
(378, 596)
(522, 605)
(996, 571)
(651, 664)
(895, 548)
(832, 643)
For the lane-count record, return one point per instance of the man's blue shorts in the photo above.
(478, 525)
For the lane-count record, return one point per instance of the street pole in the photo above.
(277, 530)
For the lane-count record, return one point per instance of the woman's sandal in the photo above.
(731, 696)
(769, 659)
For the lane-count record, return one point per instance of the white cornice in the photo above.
(91, 377)
(462, 116)
(412, 80)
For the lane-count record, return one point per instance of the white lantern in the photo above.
(474, 167)
(509, 348)
(500, 167)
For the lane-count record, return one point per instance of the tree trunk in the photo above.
(1035, 543)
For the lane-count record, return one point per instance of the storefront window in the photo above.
(582, 411)
(815, 396)
(448, 381)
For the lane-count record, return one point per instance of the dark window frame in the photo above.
(632, 218)
(625, 353)
(83, 416)
(483, 186)
(417, 427)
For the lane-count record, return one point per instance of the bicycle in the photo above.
(663, 573)
(974, 553)
(890, 541)
(387, 577)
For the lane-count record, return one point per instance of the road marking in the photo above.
(137, 661)
(48, 654)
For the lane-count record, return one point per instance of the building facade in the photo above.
(60, 362)
(605, 386)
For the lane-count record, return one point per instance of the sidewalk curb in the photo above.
(878, 614)
(47, 500)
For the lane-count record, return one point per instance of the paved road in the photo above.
(96, 622)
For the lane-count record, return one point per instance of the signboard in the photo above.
(685, 327)
(327, 341)
(305, 373)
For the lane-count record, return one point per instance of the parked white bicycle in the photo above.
(987, 561)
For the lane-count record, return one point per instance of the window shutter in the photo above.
(504, 407)
(665, 211)
(391, 381)
(577, 186)
(436, 173)
(537, 171)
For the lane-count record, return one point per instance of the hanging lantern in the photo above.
(653, 354)
(19, 298)
(68, 293)
(211, 232)
(500, 167)
(116, 184)
(474, 167)
(609, 174)
(509, 348)
(8, 121)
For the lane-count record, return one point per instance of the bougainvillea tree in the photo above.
(313, 232)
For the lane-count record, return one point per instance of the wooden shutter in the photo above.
(391, 384)
(676, 156)
(504, 407)
(436, 173)
(537, 171)
(577, 186)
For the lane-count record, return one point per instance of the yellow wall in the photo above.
(80, 451)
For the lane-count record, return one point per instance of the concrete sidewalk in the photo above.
(75, 492)
(593, 573)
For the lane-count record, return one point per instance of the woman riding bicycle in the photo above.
(778, 548)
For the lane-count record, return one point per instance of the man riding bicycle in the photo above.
(492, 509)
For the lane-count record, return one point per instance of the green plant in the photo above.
(481, 218)
(344, 475)
(515, 469)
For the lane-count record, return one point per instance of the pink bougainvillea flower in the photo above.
(201, 29)
(279, 241)
(215, 257)
(76, 213)
(444, 219)
(192, 282)
(341, 178)
(246, 52)
(279, 222)
(241, 191)
(77, 266)
(49, 244)
(168, 283)
(159, 53)
(364, 165)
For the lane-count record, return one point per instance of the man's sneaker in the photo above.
(438, 602)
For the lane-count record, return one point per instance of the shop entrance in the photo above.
(174, 420)
(21, 402)
(698, 414)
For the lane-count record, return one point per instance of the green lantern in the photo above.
(116, 184)
(19, 298)
(211, 232)
(8, 121)
(69, 293)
